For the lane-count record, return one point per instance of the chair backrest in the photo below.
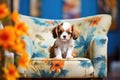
(41, 37)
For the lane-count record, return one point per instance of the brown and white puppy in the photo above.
(63, 47)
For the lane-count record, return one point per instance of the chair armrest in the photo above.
(100, 46)
(99, 55)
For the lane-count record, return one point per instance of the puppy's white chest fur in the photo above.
(64, 47)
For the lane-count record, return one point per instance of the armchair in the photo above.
(91, 47)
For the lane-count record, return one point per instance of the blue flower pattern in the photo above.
(38, 54)
(84, 43)
(85, 64)
(48, 74)
(102, 61)
(45, 22)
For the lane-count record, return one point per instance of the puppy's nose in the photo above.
(64, 36)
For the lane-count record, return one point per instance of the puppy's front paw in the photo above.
(69, 56)
(58, 57)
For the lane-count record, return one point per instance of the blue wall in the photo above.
(53, 10)
(24, 7)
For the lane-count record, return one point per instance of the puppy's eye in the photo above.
(69, 32)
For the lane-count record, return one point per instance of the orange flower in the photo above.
(11, 72)
(21, 29)
(23, 61)
(4, 11)
(15, 16)
(19, 46)
(57, 65)
(7, 37)
(95, 21)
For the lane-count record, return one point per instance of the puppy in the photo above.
(65, 34)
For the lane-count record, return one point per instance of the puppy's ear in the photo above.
(55, 32)
(75, 32)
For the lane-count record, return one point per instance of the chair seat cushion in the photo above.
(67, 68)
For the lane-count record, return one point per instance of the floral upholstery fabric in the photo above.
(60, 68)
(91, 47)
